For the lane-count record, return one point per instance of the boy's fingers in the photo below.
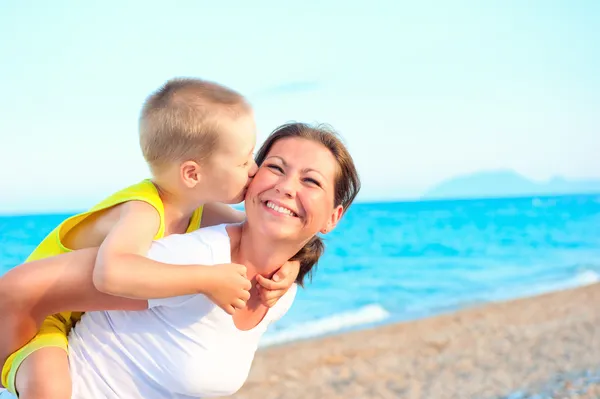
(290, 267)
(270, 284)
(229, 309)
(273, 295)
(270, 298)
(283, 275)
(270, 303)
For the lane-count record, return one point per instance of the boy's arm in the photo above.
(122, 268)
(216, 213)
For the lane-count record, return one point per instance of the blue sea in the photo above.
(388, 262)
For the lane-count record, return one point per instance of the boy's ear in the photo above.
(190, 174)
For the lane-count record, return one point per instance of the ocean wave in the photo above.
(585, 277)
(335, 323)
(580, 279)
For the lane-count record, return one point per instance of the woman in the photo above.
(186, 346)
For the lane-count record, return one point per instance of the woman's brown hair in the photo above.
(347, 181)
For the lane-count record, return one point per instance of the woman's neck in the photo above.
(259, 255)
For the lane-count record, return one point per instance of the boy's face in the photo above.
(229, 169)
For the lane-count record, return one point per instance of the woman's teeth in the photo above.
(280, 209)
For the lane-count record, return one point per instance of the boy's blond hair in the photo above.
(180, 121)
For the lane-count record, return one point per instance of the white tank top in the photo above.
(181, 347)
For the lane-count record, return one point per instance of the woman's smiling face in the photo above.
(291, 197)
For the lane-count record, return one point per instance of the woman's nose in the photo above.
(286, 187)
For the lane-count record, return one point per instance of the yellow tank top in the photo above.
(143, 191)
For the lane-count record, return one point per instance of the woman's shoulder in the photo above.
(217, 232)
(208, 245)
(217, 239)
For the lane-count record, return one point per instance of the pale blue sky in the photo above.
(420, 91)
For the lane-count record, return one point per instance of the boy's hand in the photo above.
(271, 290)
(227, 286)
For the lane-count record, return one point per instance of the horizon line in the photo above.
(366, 201)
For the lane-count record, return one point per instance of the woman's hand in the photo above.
(271, 290)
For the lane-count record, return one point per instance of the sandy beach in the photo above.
(540, 347)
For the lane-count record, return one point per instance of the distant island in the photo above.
(507, 183)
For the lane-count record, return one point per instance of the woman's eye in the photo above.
(275, 167)
(312, 181)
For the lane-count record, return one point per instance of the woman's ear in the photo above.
(336, 215)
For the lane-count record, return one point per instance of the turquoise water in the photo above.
(394, 261)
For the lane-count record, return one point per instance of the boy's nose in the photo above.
(253, 169)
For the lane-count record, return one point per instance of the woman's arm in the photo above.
(59, 283)
(34, 290)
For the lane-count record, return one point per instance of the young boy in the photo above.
(198, 139)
